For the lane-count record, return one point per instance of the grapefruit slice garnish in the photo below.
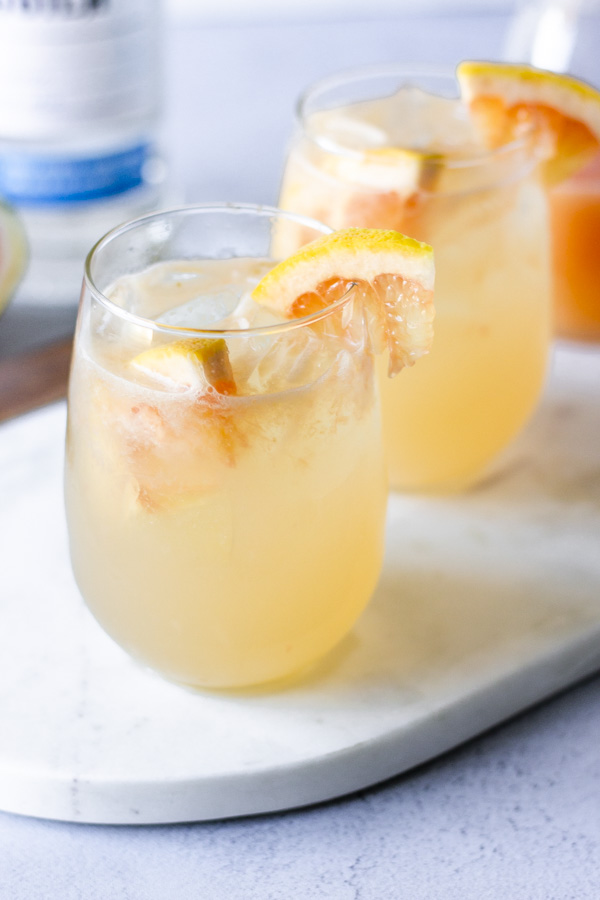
(13, 253)
(395, 274)
(193, 363)
(560, 113)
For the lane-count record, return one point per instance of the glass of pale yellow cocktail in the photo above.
(225, 486)
(392, 147)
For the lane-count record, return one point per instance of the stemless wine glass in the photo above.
(225, 481)
(393, 147)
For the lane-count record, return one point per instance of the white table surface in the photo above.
(514, 813)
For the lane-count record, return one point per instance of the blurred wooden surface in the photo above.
(34, 378)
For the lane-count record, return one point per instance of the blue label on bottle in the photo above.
(31, 179)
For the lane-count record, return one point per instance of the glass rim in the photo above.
(183, 331)
(372, 71)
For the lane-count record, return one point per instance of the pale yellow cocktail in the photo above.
(407, 156)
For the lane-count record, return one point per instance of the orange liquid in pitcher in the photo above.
(575, 217)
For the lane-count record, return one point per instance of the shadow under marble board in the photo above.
(488, 602)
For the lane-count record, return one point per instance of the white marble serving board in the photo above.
(488, 602)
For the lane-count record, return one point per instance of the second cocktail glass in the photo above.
(395, 148)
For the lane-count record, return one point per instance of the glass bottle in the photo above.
(79, 125)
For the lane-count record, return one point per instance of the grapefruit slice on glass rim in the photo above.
(395, 274)
(560, 113)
